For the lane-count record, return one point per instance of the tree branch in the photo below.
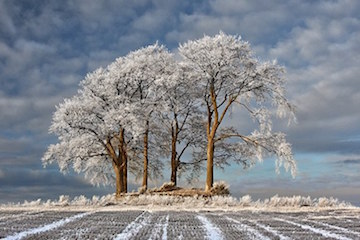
(244, 138)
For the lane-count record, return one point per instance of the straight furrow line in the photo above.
(335, 227)
(271, 230)
(21, 216)
(211, 230)
(47, 227)
(134, 227)
(253, 232)
(315, 230)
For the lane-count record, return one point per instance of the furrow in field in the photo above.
(323, 232)
(159, 228)
(134, 227)
(250, 231)
(211, 230)
(271, 230)
(14, 226)
(26, 216)
(47, 227)
(338, 229)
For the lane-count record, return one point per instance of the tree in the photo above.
(88, 143)
(179, 132)
(101, 125)
(230, 76)
(146, 71)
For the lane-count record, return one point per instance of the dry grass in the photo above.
(185, 192)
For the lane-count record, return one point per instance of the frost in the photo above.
(134, 227)
(323, 232)
(220, 188)
(47, 227)
(179, 202)
(212, 231)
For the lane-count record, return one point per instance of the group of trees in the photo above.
(148, 106)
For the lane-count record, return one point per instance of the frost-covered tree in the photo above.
(99, 129)
(146, 72)
(89, 141)
(179, 129)
(229, 76)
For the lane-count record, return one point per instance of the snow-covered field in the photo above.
(170, 218)
(328, 224)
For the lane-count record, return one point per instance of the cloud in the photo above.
(351, 161)
(47, 48)
(324, 82)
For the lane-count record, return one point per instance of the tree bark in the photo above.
(119, 180)
(125, 188)
(210, 165)
(123, 158)
(174, 164)
(146, 157)
(211, 132)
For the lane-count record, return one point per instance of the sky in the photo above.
(47, 47)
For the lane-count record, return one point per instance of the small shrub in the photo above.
(167, 187)
(220, 188)
(141, 190)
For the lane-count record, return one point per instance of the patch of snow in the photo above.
(47, 227)
(271, 230)
(248, 229)
(164, 236)
(213, 233)
(335, 227)
(160, 225)
(134, 227)
(325, 233)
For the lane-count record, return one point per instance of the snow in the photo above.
(164, 236)
(212, 231)
(134, 227)
(271, 230)
(323, 232)
(160, 225)
(177, 203)
(251, 231)
(107, 223)
(335, 227)
(47, 227)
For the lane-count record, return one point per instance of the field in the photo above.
(107, 223)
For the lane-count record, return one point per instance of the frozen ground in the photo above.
(108, 223)
(168, 217)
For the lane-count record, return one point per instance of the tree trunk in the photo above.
(123, 158)
(119, 180)
(125, 173)
(210, 165)
(211, 132)
(146, 157)
(174, 164)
